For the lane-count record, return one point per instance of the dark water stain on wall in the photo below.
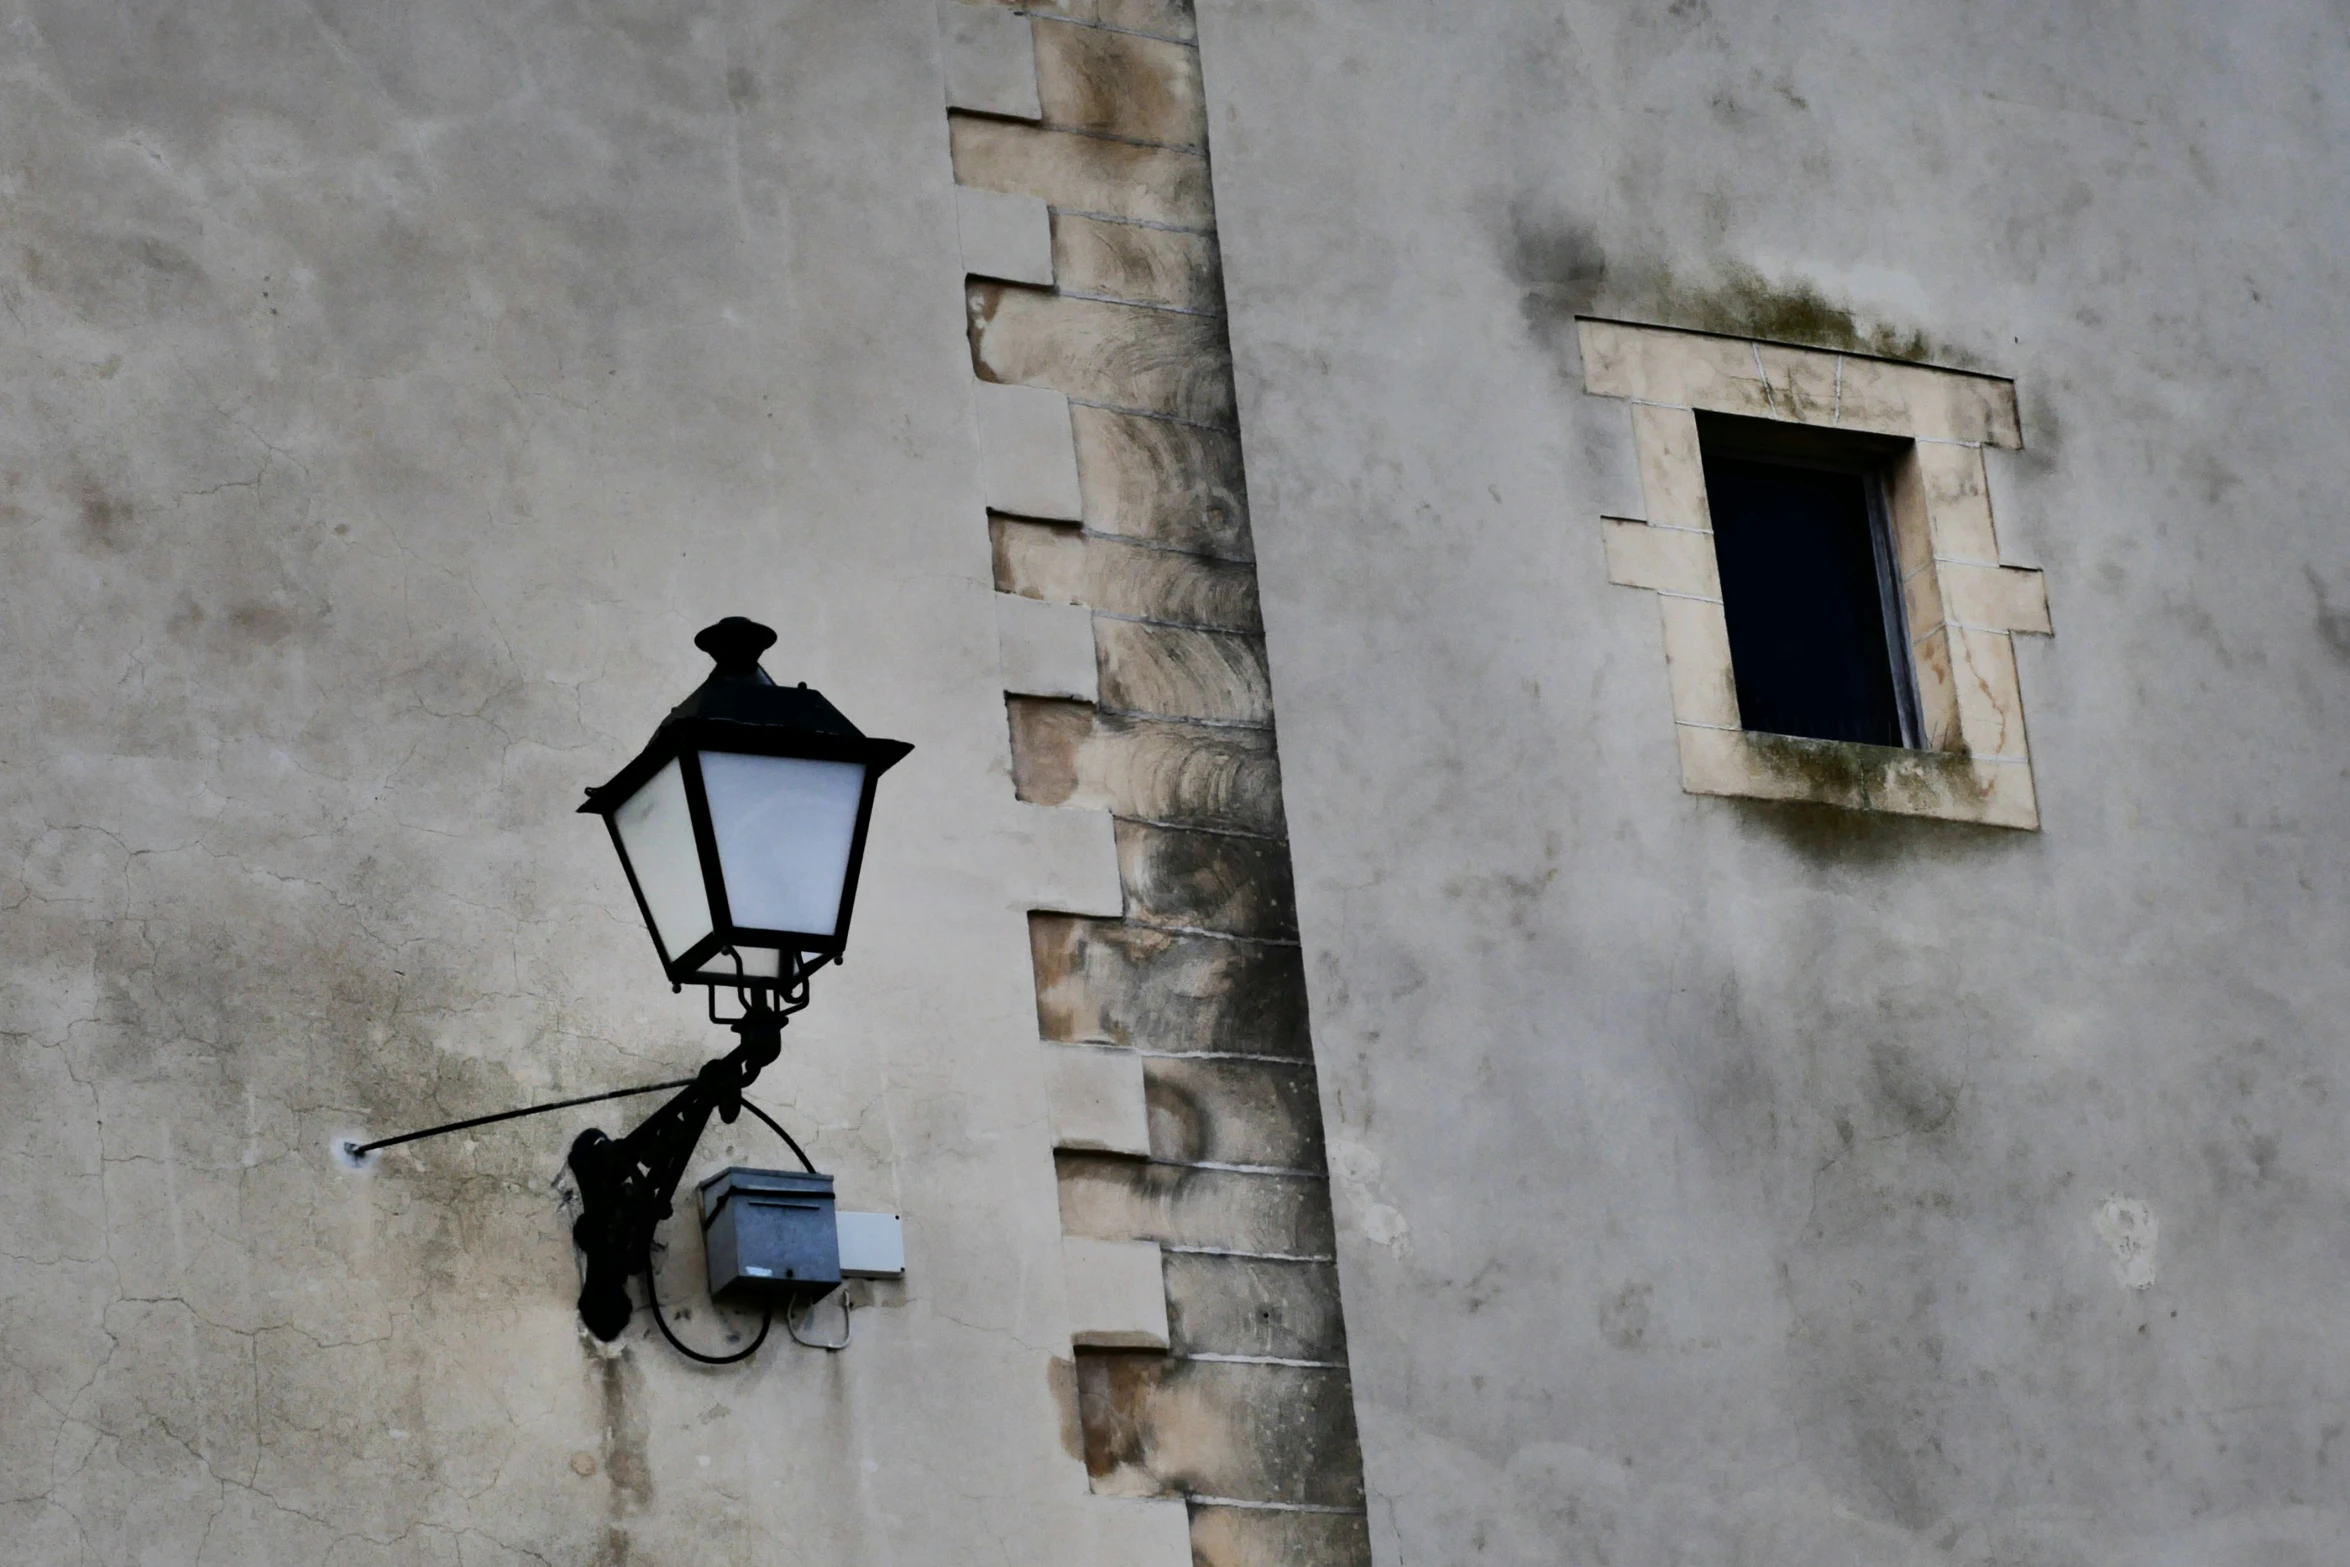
(106, 518)
(1749, 305)
(1560, 266)
(1564, 269)
(627, 1469)
(2333, 625)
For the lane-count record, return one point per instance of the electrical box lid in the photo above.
(741, 1180)
(769, 1235)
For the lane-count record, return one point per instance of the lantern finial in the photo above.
(735, 644)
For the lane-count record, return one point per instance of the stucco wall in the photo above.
(1721, 1181)
(386, 396)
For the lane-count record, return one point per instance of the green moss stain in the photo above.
(1867, 777)
(1750, 305)
(1868, 804)
(1564, 270)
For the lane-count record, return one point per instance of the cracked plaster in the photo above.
(383, 404)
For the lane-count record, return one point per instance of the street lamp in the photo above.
(741, 827)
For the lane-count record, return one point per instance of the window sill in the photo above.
(1992, 791)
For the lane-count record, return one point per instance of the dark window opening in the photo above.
(1810, 586)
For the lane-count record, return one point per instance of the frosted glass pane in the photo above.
(758, 963)
(783, 825)
(658, 833)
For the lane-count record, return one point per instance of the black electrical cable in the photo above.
(653, 1299)
(776, 1126)
(766, 1316)
(362, 1150)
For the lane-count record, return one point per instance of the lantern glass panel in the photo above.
(784, 827)
(657, 833)
(757, 963)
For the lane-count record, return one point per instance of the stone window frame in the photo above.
(1964, 604)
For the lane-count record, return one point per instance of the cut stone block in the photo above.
(1990, 698)
(990, 60)
(1068, 862)
(1996, 598)
(1682, 369)
(1251, 1306)
(1153, 361)
(1672, 471)
(1207, 881)
(1027, 451)
(1117, 1199)
(1929, 402)
(1957, 497)
(1157, 1426)
(1155, 770)
(1048, 649)
(1095, 1098)
(1116, 983)
(1803, 385)
(1233, 1112)
(1135, 1532)
(1168, 19)
(1697, 661)
(1671, 560)
(1117, 83)
(1929, 662)
(1067, 565)
(1180, 672)
(1857, 777)
(1083, 173)
(1148, 265)
(1167, 483)
(1270, 1537)
(1117, 1298)
(1008, 237)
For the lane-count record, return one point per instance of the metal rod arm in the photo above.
(362, 1150)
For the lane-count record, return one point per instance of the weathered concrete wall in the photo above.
(1721, 1181)
(385, 398)
(386, 395)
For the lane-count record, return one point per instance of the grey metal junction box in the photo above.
(770, 1236)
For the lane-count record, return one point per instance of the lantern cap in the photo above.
(739, 691)
(739, 708)
(735, 644)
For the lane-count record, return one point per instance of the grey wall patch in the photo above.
(2127, 1227)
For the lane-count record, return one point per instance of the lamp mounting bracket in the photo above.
(627, 1184)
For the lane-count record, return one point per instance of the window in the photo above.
(1811, 587)
(1816, 528)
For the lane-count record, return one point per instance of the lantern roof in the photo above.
(740, 706)
(740, 692)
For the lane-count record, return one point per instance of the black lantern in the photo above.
(742, 824)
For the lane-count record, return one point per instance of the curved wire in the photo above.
(776, 1126)
(653, 1299)
(848, 1326)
